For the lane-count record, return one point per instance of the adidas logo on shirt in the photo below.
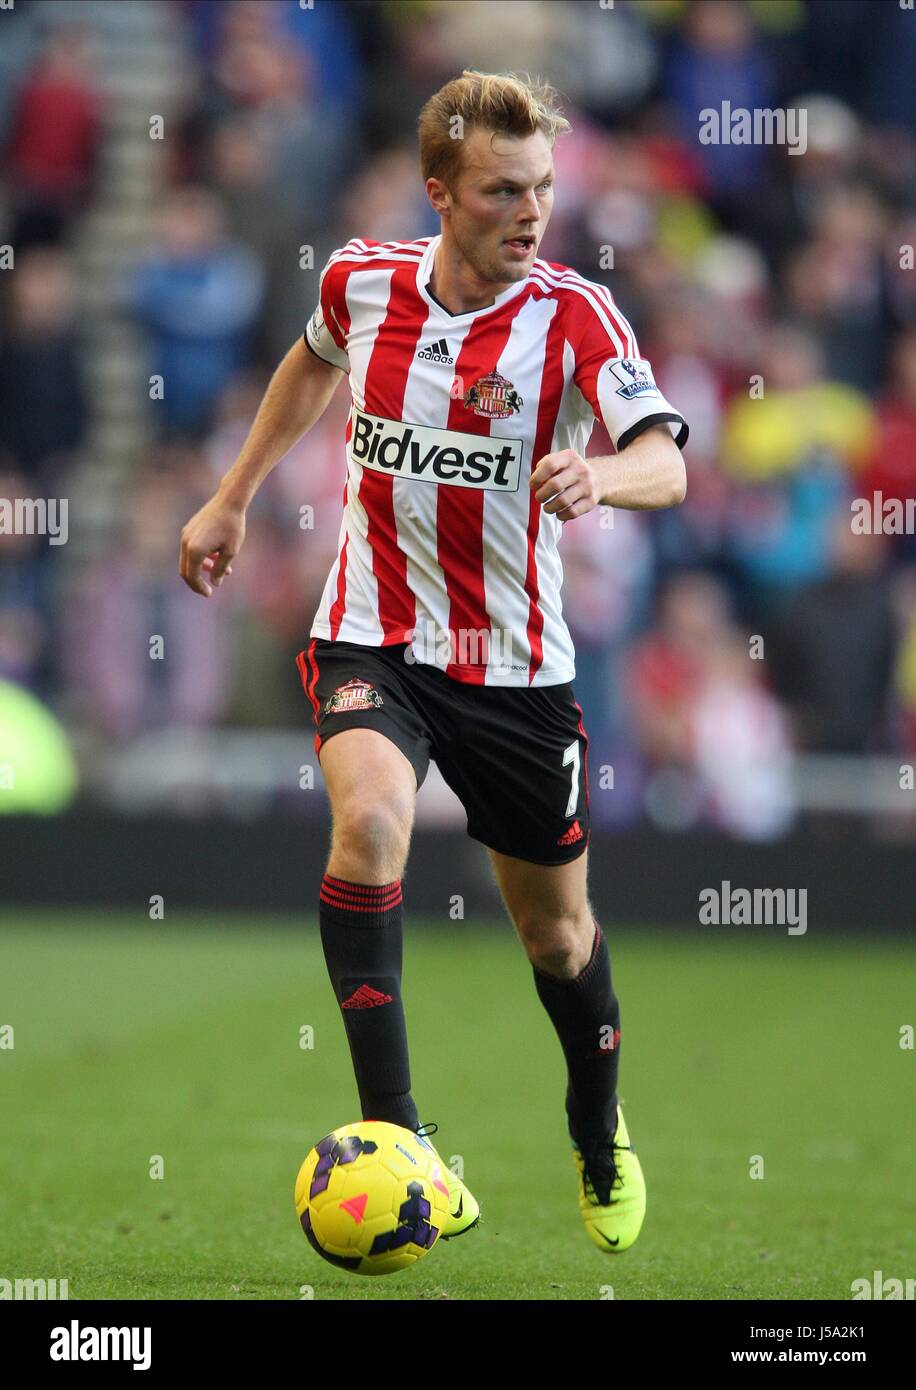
(436, 352)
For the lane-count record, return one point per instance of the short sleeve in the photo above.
(616, 381)
(327, 329)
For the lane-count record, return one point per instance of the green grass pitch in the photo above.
(181, 1039)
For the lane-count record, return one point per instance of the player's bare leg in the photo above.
(372, 788)
(549, 907)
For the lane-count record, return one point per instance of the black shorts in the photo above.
(514, 756)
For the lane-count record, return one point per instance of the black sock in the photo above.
(586, 1015)
(361, 937)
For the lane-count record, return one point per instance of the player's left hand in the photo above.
(566, 484)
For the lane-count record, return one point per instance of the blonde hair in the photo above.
(499, 102)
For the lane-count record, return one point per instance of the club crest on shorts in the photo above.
(356, 694)
(493, 396)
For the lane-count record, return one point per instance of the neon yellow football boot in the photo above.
(463, 1207)
(612, 1190)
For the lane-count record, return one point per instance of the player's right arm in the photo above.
(298, 395)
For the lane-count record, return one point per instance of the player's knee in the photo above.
(372, 834)
(558, 944)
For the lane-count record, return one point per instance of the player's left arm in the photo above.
(648, 474)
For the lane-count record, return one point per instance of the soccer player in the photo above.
(476, 371)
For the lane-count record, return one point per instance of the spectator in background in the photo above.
(293, 530)
(891, 466)
(792, 450)
(716, 746)
(697, 350)
(608, 575)
(54, 137)
(795, 413)
(607, 568)
(322, 36)
(900, 281)
(258, 73)
(42, 423)
(241, 169)
(861, 52)
(199, 296)
(834, 155)
(42, 392)
(387, 194)
(666, 665)
(833, 647)
(720, 57)
(17, 56)
(128, 597)
(303, 494)
(904, 593)
(267, 66)
(26, 596)
(835, 284)
(740, 745)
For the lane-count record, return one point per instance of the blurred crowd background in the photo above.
(173, 176)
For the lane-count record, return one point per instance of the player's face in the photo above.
(500, 208)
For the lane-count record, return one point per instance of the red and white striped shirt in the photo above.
(442, 545)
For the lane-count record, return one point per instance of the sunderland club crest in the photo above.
(356, 694)
(493, 396)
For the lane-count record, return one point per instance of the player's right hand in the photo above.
(209, 542)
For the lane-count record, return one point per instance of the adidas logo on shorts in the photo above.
(572, 835)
